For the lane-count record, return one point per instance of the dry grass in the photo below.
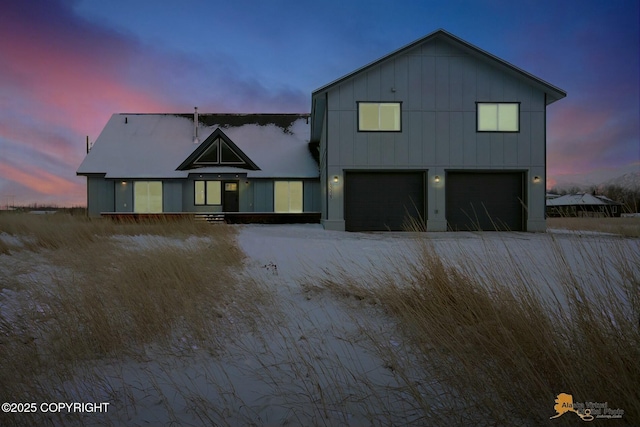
(86, 290)
(628, 227)
(500, 348)
(152, 317)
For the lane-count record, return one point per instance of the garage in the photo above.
(383, 201)
(485, 201)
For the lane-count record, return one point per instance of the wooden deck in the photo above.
(219, 217)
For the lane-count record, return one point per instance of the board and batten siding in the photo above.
(100, 195)
(438, 87)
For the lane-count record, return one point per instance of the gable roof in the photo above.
(155, 145)
(318, 103)
(217, 138)
(553, 93)
(581, 199)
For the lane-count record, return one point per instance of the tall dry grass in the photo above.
(79, 291)
(497, 340)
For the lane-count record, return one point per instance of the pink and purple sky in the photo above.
(67, 65)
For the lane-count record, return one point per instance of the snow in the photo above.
(316, 350)
(154, 145)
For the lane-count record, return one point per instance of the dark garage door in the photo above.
(380, 201)
(484, 201)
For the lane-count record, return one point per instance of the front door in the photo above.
(230, 202)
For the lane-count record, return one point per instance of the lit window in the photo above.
(208, 193)
(288, 196)
(498, 117)
(199, 188)
(379, 116)
(147, 196)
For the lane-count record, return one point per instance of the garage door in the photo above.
(380, 201)
(485, 201)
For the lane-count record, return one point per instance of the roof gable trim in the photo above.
(212, 152)
(556, 92)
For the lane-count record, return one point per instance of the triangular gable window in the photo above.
(217, 150)
(219, 153)
(227, 155)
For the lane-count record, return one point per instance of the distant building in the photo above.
(583, 205)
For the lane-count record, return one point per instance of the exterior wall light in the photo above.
(536, 179)
(436, 178)
(335, 178)
(124, 182)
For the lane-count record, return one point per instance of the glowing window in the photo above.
(498, 117)
(208, 193)
(288, 196)
(379, 116)
(147, 196)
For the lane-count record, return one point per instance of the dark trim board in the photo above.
(226, 217)
(493, 200)
(384, 200)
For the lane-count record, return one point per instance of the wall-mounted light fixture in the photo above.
(536, 179)
(436, 178)
(335, 178)
(124, 182)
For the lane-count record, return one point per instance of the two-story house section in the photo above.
(439, 133)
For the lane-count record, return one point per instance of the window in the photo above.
(287, 196)
(147, 196)
(219, 153)
(498, 117)
(379, 116)
(208, 193)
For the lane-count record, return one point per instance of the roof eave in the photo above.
(553, 93)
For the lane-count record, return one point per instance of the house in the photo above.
(150, 164)
(583, 205)
(438, 133)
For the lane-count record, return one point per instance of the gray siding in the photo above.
(311, 194)
(100, 195)
(171, 196)
(438, 86)
(246, 195)
(124, 196)
(262, 195)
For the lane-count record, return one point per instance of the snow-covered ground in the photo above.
(309, 362)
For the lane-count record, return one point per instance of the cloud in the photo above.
(40, 181)
(61, 78)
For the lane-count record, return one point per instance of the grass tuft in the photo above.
(502, 348)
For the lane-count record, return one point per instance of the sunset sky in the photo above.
(67, 65)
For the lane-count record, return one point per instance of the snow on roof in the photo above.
(154, 145)
(579, 199)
